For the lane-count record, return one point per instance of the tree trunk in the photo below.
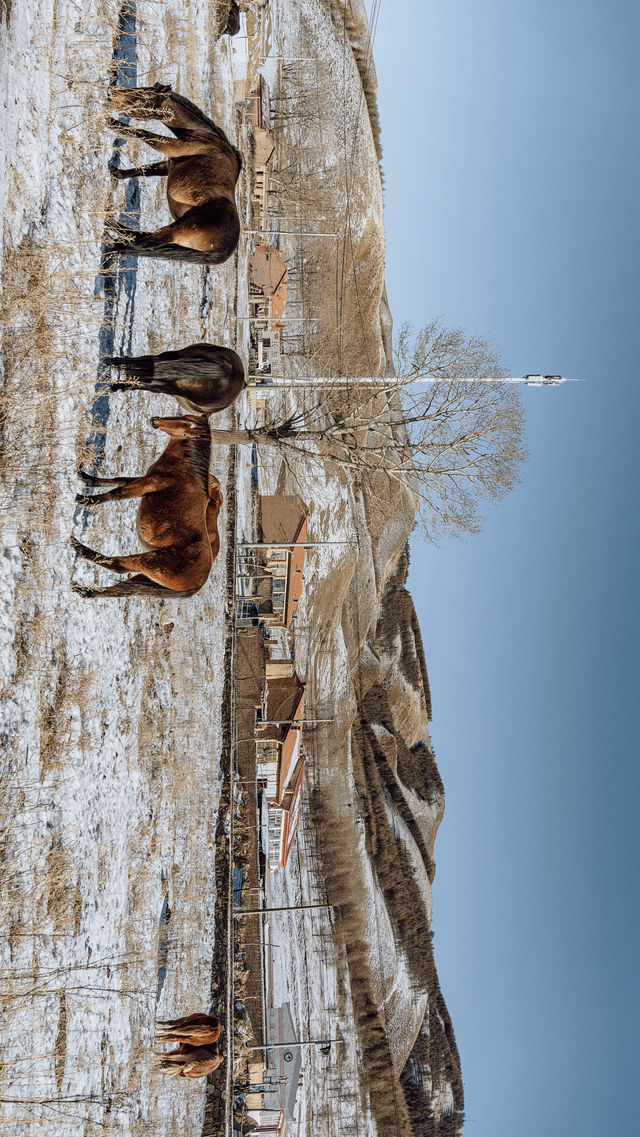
(238, 437)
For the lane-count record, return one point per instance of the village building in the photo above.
(269, 695)
(264, 148)
(267, 301)
(267, 281)
(258, 104)
(280, 761)
(270, 573)
(284, 519)
(251, 94)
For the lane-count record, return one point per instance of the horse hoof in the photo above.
(84, 499)
(115, 171)
(78, 547)
(80, 590)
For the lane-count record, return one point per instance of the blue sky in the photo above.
(511, 162)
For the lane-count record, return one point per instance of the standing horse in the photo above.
(177, 517)
(190, 1061)
(232, 26)
(201, 169)
(198, 1030)
(203, 378)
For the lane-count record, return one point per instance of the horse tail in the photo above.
(162, 372)
(135, 367)
(135, 586)
(146, 245)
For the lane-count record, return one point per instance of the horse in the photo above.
(197, 1030)
(203, 378)
(190, 1061)
(201, 168)
(177, 517)
(233, 23)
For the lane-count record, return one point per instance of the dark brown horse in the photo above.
(177, 517)
(201, 169)
(203, 378)
(232, 26)
(190, 1061)
(198, 1030)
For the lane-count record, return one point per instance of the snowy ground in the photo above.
(111, 709)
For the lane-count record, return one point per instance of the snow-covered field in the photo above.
(111, 709)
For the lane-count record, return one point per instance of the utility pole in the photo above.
(280, 382)
(284, 233)
(278, 320)
(289, 544)
(321, 1042)
(284, 908)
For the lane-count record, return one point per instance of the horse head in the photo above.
(183, 426)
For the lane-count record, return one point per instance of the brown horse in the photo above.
(177, 517)
(198, 1030)
(201, 169)
(190, 1061)
(232, 26)
(203, 378)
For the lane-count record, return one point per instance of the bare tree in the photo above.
(452, 442)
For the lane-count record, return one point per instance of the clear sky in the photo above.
(510, 135)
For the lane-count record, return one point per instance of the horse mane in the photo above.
(198, 454)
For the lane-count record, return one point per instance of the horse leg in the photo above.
(128, 488)
(154, 170)
(140, 102)
(192, 143)
(135, 586)
(188, 1020)
(164, 105)
(156, 564)
(92, 480)
(132, 562)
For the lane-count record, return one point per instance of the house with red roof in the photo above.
(280, 761)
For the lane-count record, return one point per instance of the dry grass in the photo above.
(50, 317)
(343, 888)
(339, 279)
